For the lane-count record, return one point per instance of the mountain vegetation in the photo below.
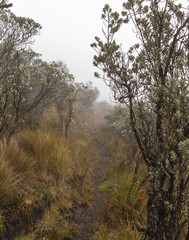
(75, 168)
(151, 80)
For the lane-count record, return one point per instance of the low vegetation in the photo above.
(42, 178)
(151, 80)
(121, 185)
(50, 137)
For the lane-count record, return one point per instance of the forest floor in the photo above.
(86, 216)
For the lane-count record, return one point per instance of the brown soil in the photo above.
(86, 217)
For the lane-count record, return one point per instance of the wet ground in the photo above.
(86, 217)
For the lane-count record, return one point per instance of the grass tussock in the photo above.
(42, 176)
(49, 153)
(16, 171)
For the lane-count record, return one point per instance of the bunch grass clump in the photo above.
(49, 152)
(42, 176)
(16, 171)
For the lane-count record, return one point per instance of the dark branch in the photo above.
(173, 45)
(6, 5)
(144, 236)
(140, 229)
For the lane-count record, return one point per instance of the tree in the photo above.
(152, 79)
(86, 96)
(41, 83)
(16, 33)
(65, 97)
(118, 122)
(27, 84)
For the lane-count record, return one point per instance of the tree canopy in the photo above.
(152, 80)
(27, 83)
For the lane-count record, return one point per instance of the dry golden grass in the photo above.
(39, 170)
(16, 170)
(49, 153)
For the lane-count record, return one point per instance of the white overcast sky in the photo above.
(68, 29)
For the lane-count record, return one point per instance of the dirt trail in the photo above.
(86, 217)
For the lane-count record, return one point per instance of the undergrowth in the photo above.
(116, 219)
(42, 177)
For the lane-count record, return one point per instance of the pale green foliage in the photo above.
(65, 97)
(15, 35)
(151, 78)
(118, 121)
(27, 84)
(86, 97)
(4, 4)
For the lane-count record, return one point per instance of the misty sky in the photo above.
(68, 29)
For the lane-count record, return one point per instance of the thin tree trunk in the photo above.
(156, 216)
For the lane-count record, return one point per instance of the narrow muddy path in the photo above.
(86, 217)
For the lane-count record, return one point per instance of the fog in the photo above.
(68, 29)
